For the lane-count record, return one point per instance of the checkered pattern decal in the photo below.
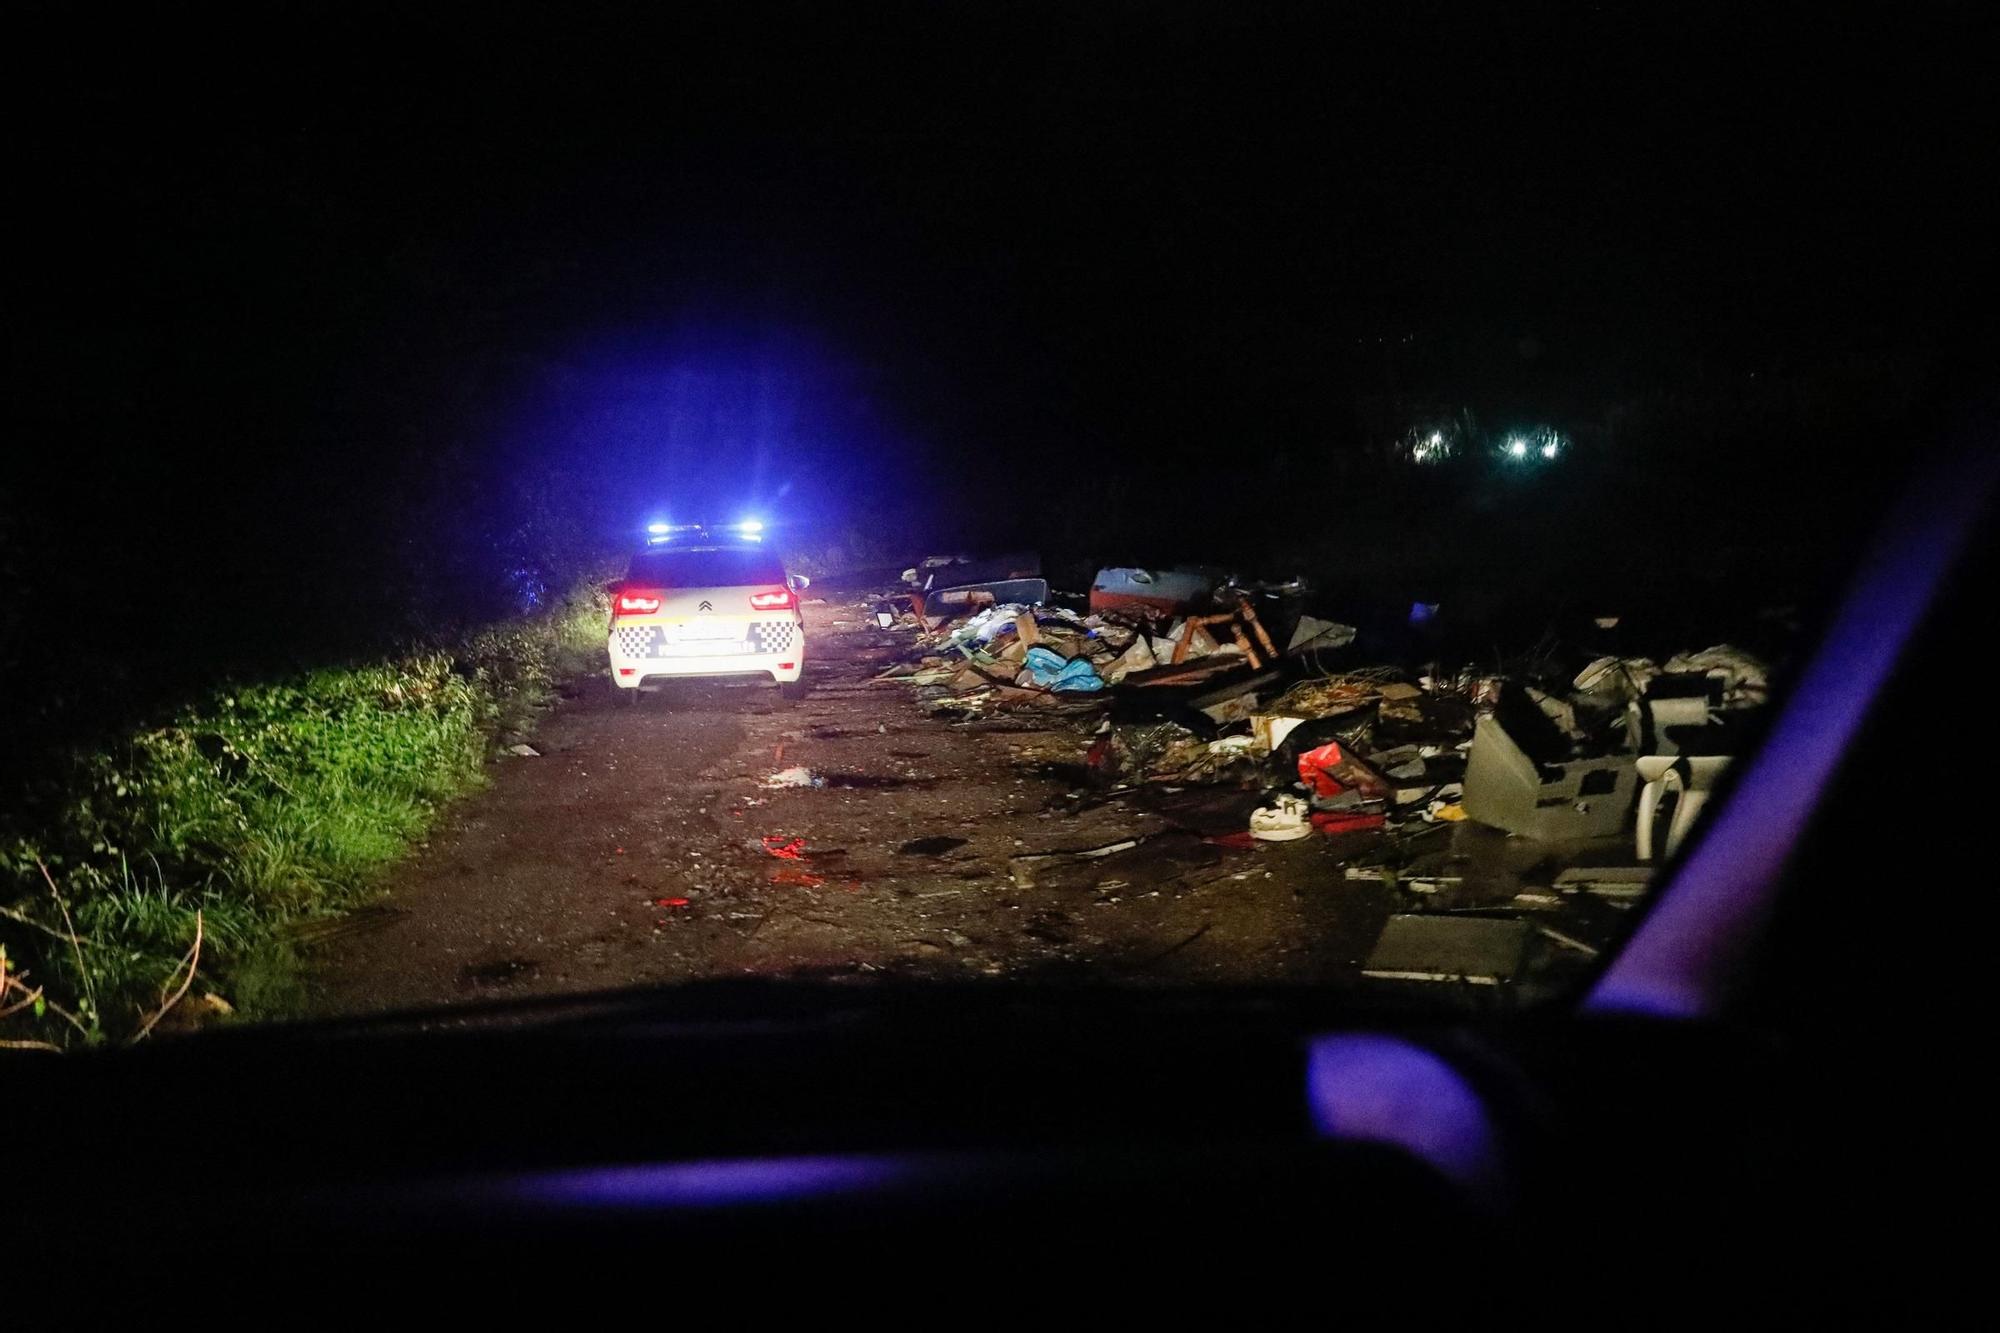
(640, 640)
(772, 636)
(766, 636)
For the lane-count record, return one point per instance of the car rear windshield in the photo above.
(704, 569)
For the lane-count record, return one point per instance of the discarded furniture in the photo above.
(1692, 777)
(964, 585)
(1509, 788)
(971, 596)
(1650, 721)
(1150, 592)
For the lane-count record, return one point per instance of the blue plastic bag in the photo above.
(1047, 669)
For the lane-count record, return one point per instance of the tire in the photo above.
(627, 698)
(791, 691)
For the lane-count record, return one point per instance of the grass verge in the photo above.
(247, 814)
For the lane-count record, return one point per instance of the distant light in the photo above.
(1548, 451)
(1518, 448)
(1426, 446)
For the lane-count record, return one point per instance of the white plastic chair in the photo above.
(1693, 776)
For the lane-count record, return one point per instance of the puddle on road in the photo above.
(1048, 926)
(931, 846)
(1072, 775)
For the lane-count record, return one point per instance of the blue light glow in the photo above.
(715, 1184)
(1373, 1089)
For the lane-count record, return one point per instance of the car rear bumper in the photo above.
(631, 672)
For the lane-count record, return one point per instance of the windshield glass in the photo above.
(704, 569)
(1289, 498)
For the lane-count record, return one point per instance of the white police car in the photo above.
(706, 609)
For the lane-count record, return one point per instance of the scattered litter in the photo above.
(1331, 824)
(800, 776)
(1048, 670)
(525, 751)
(1616, 679)
(1138, 657)
(1313, 635)
(1328, 771)
(1188, 682)
(1025, 867)
(1567, 941)
(1476, 950)
(789, 849)
(1283, 821)
(1270, 729)
(1606, 881)
(1232, 710)
(1742, 679)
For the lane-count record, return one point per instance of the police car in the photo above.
(702, 603)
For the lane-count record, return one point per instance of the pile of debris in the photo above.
(1511, 815)
(1183, 675)
(998, 640)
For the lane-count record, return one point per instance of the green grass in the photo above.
(260, 806)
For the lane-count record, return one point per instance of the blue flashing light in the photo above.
(751, 525)
(658, 529)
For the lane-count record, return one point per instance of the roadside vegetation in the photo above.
(176, 871)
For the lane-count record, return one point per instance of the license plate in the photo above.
(708, 631)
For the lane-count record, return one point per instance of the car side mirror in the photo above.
(797, 582)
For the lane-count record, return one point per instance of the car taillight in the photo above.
(635, 603)
(781, 600)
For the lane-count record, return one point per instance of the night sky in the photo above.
(358, 314)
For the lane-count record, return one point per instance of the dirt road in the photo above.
(643, 846)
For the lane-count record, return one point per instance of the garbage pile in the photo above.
(1183, 676)
(998, 640)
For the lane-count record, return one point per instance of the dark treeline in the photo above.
(380, 338)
